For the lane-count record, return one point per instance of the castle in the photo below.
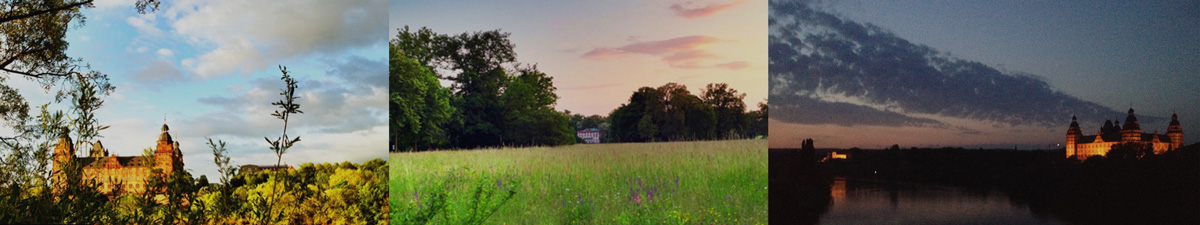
(130, 172)
(1081, 147)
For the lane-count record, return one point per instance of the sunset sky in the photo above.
(600, 52)
(1039, 63)
(209, 68)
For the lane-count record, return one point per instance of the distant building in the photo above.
(255, 168)
(834, 155)
(1081, 146)
(130, 172)
(589, 136)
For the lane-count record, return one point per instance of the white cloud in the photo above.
(246, 42)
(165, 53)
(110, 4)
(145, 23)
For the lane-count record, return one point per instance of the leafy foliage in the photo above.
(419, 104)
(288, 106)
(493, 99)
(672, 113)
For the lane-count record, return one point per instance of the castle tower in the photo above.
(166, 154)
(1175, 132)
(1131, 131)
(1073, 135)
(64, 152)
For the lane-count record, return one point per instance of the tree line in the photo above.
(493, 100)
(672, 113)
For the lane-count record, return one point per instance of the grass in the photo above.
(706, 182)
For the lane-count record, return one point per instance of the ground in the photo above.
(722, 182)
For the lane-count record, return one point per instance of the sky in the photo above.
(600, 52)
(210, 69)
(992, 74)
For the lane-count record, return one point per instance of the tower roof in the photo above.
(1131, 122)
(164, 136)
(1174, 120)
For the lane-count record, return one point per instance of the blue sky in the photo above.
(210, 67)
(1108, 55)
(600, 52)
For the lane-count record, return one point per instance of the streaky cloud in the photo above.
(805, 110)
(682, 52)
(686, 10)
(813, 52)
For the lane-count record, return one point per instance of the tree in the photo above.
(687, 117)
(224, 203)
(1129, 151)
(289, 106)
(529, 100)
(728, 107)
(632, 122)
(477, 62)
(419, 105)
(495, 100)
(757, 121)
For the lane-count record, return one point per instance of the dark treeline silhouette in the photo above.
(798, 185)
(1130, 186)
(672, 113)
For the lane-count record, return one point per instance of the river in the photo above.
(871, 202)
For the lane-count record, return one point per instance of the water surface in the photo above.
(870, 202)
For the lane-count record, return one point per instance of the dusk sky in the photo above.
(1008, 74)
(210, 67)
(600, 52)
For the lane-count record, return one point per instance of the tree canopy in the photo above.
(492, 99)
(672, 113)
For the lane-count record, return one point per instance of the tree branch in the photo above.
(6, 18)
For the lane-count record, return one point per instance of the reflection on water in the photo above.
(868, 202)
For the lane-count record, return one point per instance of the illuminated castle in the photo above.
(129, 172)
(1081, 147)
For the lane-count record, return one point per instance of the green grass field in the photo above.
(706, 182)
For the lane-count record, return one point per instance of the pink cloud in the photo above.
(669, 45)
(682, 52)
(735, 65)
(711, 8)
(600, 53)
(688, 55)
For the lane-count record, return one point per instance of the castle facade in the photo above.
(1083, 146)
(129, 173)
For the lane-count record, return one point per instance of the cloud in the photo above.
(343, 104)
(803, 110)
(110, 4)
(165, 53)
(361, 75)
(145, 23)
(157, 73)
(681, 52)
(688, 9)
(246, 42)
(814, 54)
(601, 53)
(737, 65)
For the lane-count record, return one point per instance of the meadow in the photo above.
(703, 182)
